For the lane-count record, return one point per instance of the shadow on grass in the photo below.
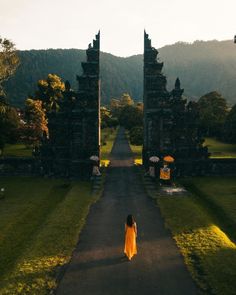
(215, 211)
(22, 230)
(215, 271)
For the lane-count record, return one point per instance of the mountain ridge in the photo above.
(202, 66)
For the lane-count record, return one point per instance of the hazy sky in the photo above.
(37, 24)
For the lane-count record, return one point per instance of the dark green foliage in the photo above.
(131, 116)
(201, 67)
(230, 126)
(9, 126)
(213, 112)
(36, 65)
(50, 92)
(35, 122)
(107, 120)
(136, 135)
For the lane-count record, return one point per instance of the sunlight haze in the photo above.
(33, 24)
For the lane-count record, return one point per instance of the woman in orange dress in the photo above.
(130, 248)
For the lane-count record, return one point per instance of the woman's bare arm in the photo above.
(135, 229)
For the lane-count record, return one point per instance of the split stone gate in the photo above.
(74, 131)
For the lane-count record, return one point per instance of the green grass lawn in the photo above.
(108, 136)
(17, 150)
(40, 221)
(217, 149)
(137, 150)
(219, 195)
(199, 231)
(220, 149)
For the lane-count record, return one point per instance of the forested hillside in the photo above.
(202, 67)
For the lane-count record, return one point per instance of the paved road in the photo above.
(98, 266)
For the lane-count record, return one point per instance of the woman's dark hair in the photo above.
(130, 220)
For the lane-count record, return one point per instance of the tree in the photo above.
(50, 92)
(230, 126)
(131, 116)
(116, 105)
(36, 122)
(9, 61)
(9, 126)
(136, 135)
(213, 112)
(107, 120)
(126, 100)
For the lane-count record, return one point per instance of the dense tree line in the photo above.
(202, 67)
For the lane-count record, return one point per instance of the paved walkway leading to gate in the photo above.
(98, 266)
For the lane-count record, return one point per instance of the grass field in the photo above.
(198, 224)
(108, 136)
(217, 149)
(137, 153)
(220, 149)
(40, 221)
(137, 150)
(219, 195)
(17, 150)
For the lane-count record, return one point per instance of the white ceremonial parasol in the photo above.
(94, 158)
(154, 159)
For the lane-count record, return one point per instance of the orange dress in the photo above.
(130, 248)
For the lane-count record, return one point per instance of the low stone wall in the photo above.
(11, 166)
(31, 166)
(223, 166)
(205, 167)
(213, 166)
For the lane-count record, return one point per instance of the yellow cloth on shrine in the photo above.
(130, 248)
(165, 173)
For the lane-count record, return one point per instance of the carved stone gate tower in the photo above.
(74, 130)
(170, 123)
(85, 140)
(157, 112)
